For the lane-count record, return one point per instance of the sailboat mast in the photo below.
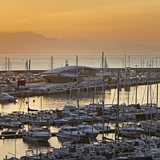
(148, 93)
(15, 146)
(125, 60)
(118, 106)
(103, 91)
(51, 62)
(8, 64)
(29, 67)
(77, 90)
(92, 117)
(117, 111)
(157, 100)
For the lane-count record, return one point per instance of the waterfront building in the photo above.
(69, 74)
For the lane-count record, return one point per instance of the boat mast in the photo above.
(135, 104)
(148, 94)
(157, 101)
(136, 88)
(77, 94)
(125, 60)
(117, 109)
(51, 62)
(8, 64)
(29, 82)
(150, 106)
(106, 64)
(103, 92)
(92, 116)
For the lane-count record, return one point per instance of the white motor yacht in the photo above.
(60, 121)
(69, 132)
(9, 132)
(130, 129)
(88, 130)
(14, 123)
(74, 118)
(68, 109)
(36, 134)
(150, 126)
(5, 97)
(99, 127)
(38, 122)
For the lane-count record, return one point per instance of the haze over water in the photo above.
(43, 61)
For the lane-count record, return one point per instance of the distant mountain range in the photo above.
(31, 42)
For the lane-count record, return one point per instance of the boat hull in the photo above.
(36, 138)
(70, 136)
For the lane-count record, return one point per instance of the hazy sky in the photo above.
(133, 21)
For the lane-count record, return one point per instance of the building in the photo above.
(69, 74)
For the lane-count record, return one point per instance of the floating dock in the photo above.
(11, 136)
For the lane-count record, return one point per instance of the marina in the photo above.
(109, 108)
(58, 101)
(80, 80)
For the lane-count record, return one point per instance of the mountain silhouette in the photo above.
(31, 42)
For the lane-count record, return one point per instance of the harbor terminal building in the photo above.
(69, 74)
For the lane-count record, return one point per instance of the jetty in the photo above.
(24, 82)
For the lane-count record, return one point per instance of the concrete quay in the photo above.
(138, 70)
(38, 89)
(43, 88)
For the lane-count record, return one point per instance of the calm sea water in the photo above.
(17, 62)
(58, 101)
(43, 62)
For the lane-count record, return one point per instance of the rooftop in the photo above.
(67, 71)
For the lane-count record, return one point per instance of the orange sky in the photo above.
(133, 21)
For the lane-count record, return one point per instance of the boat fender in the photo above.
(77, 157)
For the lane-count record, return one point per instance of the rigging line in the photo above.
(132, 97)
(21, 100)
(48, 66)
(123, 97)
(153, 93)
(114, 96)
(144, 93)
(98, 97)
(70, 94)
